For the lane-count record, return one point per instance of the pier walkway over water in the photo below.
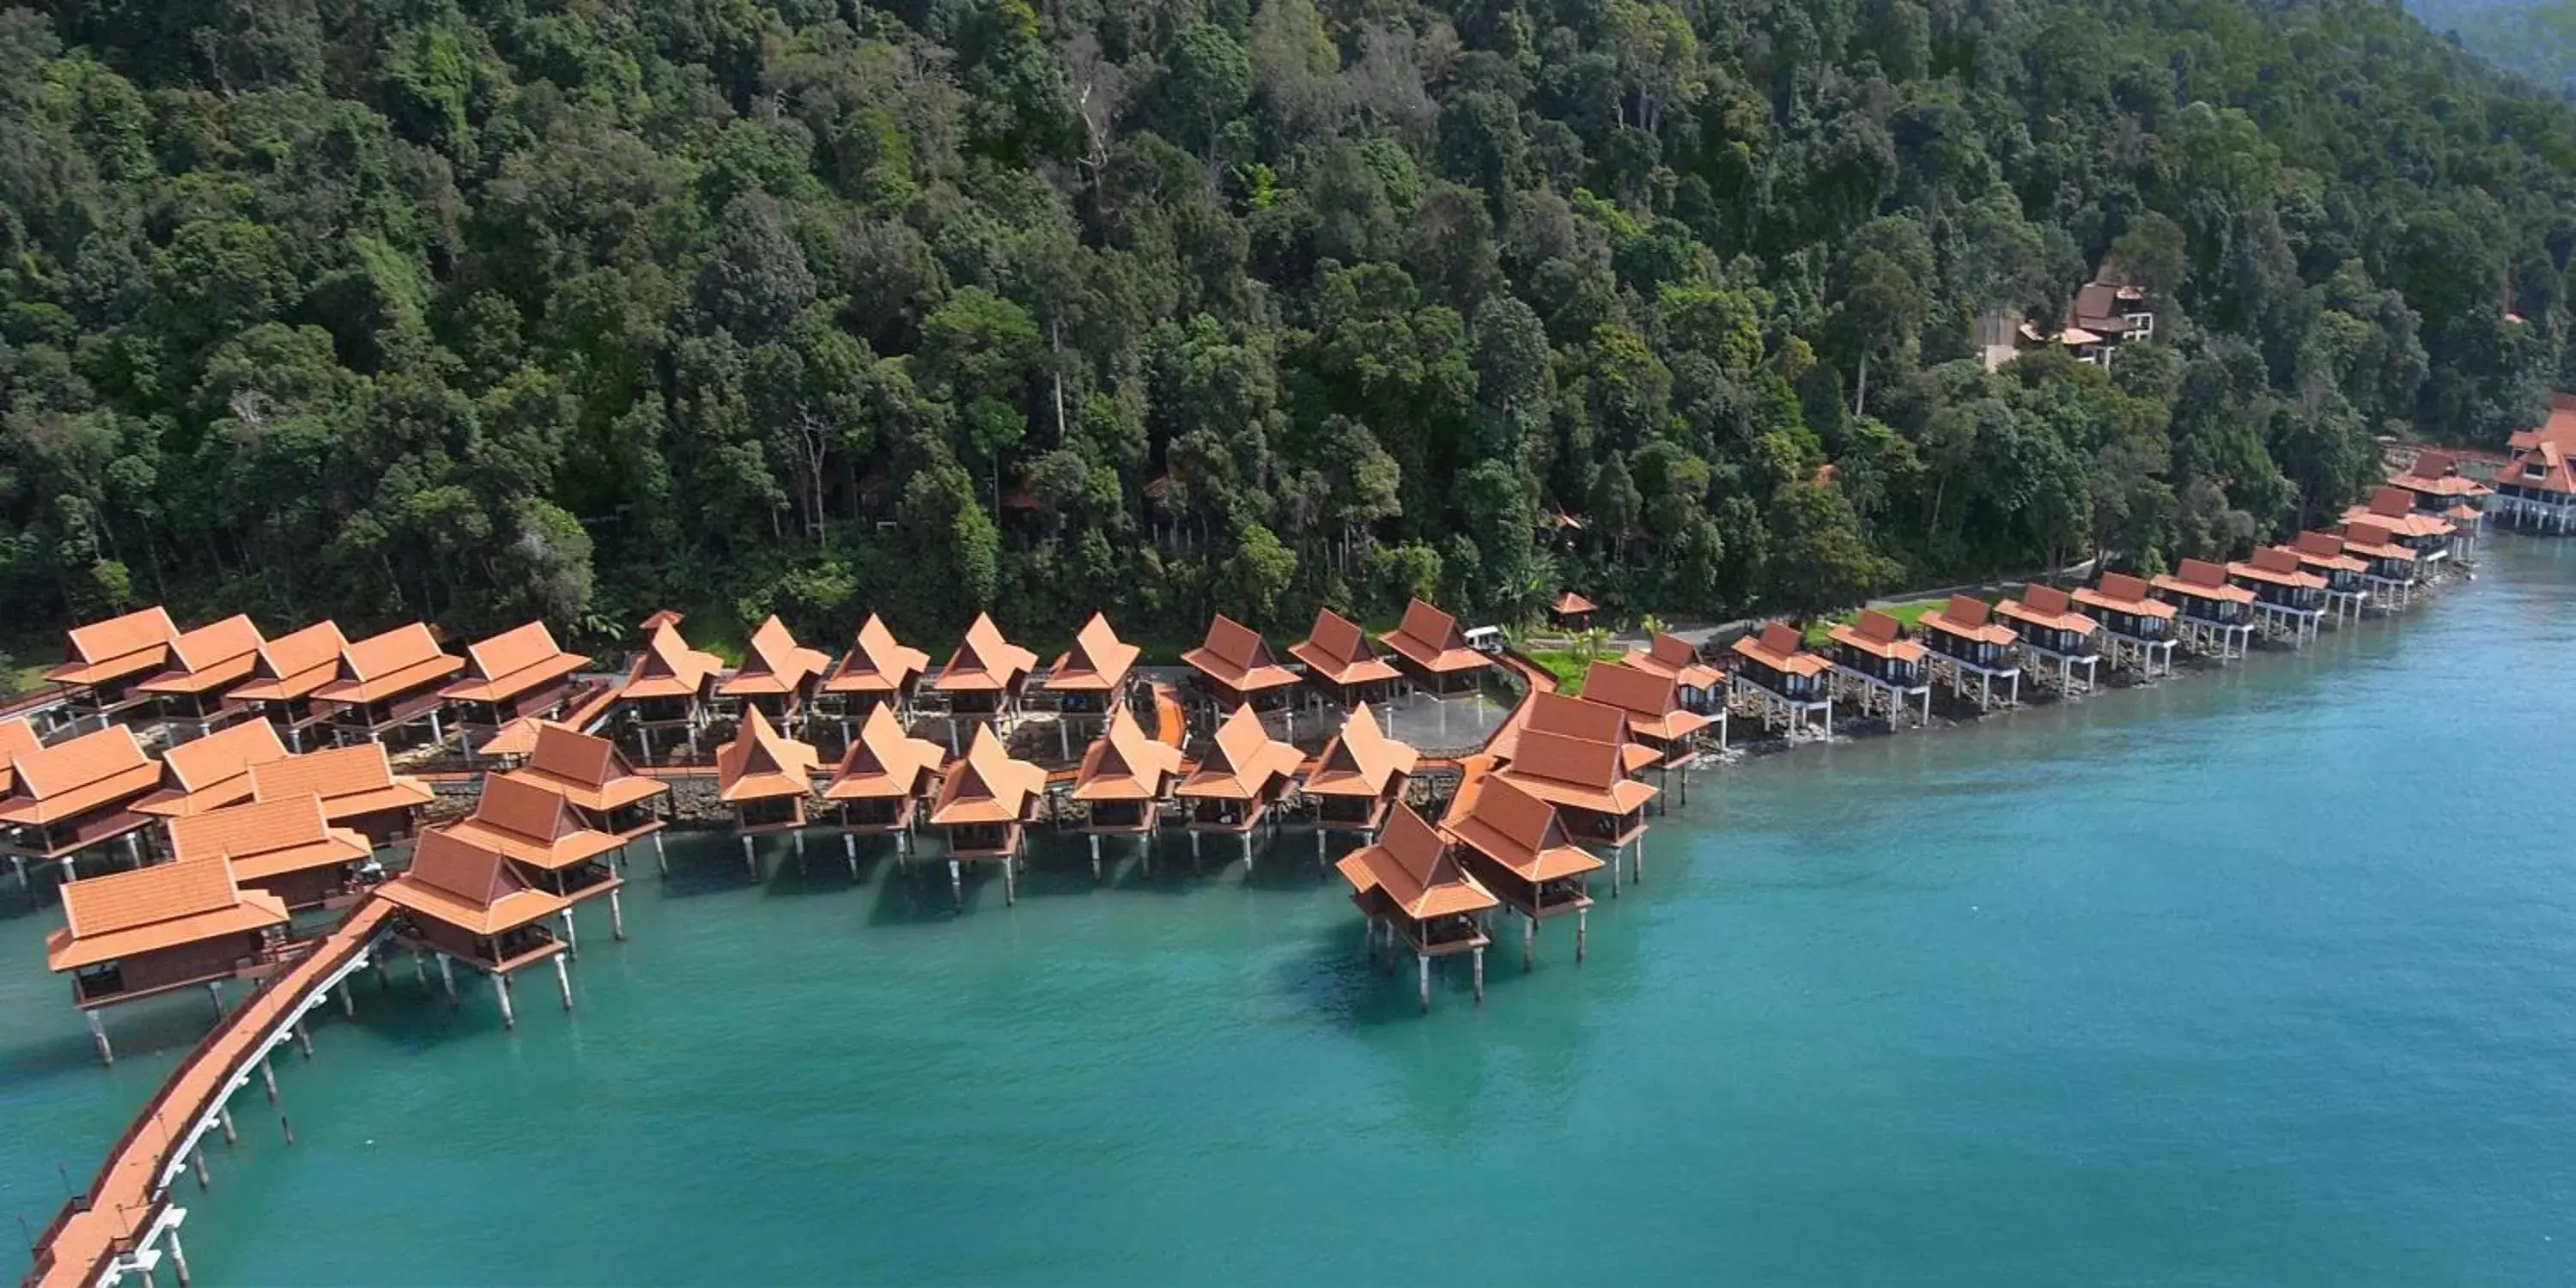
(124, 1222)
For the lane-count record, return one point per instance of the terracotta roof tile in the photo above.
(762, 763)
(1505, 824)
(295, 665)
(1966, 617)
(2277, 565)
(525, 821)
(134, 644)
(2045, 608)
(1567, 771)
(1651, 703)
(1876, 634)
(267, 839)
(471, 887)
(668, 667)
(1673, 656)
(884, 761)
(1124, 764)
(1412, 869)
(876, 663)
(1097, 663)
(1243, 763)
(590, 772)
(126, 914)
(985, 662)
(72, 778)
(774, 664)
(1431, 640)
(1236, 657)
(1781, 648)
(987, 786)
(210, 658)
(1337, 652)
(2118, 592)
(2201, 579)
(1360, 760)
(387, 665)
(17, 738)
(1569, 603)
(517, 661)
(351, 781)
(213, 771)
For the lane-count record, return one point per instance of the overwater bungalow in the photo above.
(1874, 662)
(1237, 669)
(594, 777)
(1125, 780)
(667, 690)
(1244, 773)
(1590, 787)
(1652, 709)
(518, 674)
(776, 677)
(550, 843)
(983, 679)
(2053, 635)
(2538, 489)
(388, 683)
(1966, 641)
(1410, 886)
(2140, 627)
(1677, 659)
(1514, 844)
(132, 935)
(467, 903)
(1094, 678)
(290, 670)
(104, 661)
(877, 787)
(2347, 590)
(75, 796)
(2212, 618)
(284, 847)
(2289, 601)
(877, 671)
(766, 777)
(2434, 482)
(358, 787)
(1571, 612)
(1341, 666)
(212, 772)
(1578, 718)
(205, 663)
(984, 809)
(1432, 652)
(2392, 567)
(2431, 536)
(1786, 683)
(1358, 777)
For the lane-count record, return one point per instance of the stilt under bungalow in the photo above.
(766, 777)
(518, 674)
(1602, 807)
(777, 676)
(1237, 669)
(286, 848)
(290, 670)
(104, 661)
(1411, 887)
(1515, 845)
(2393, 568)
(468, 904)
(551, 845)
(205, 663)
(2347, 591)
(2289, 601)
(1093, 679)
(665, 697)
(984, 808)
(1358, 779)
(1966, 641)
(877, 671)
(983, 680)
(211, 772)
(877, 788)
(389, 683)
(593, 776)
(1243, 774)
(358, 787)
(1341, 666)
(2056, 641)
(76, 796)
(1781, 681)
(132, 935)
(2139, 627)
(2212, 618)
(1873, 662)
(1125, 780)
(1432, 652)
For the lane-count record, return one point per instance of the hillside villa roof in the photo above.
(2438, 474)
(532, 825)
(1874, 633)
(876, 663)
(1512, 828)
(1652, 703)
(2549, 457)
(69, 779)
(2371, 540)
(1671, 655)
(987, 786)
(1360, 761)
(590, 772)
(2394, 509)
(267, 839)
(2201, 579)
(521, 660)
(1243, 763)
(137, 643)
(1123, 764)
(1098, 662)
(985, 662)
(668, 667)
(213, 771)
(17, 738)
(1969, 618)
(1412, 869)
(388, 665)
(1576, 718)
(294, 665)
(1780, 647)
(883, 761)
(213, 657)
(471, 887)
(2325, 550)
(762, 763)
(1430, 639)
(2118, 592)
(774, 664)
(2276, 565)
(1568, 771)
(2045, 608)
(1237, 658)
(128, 914)
(1567, 604)
(1337, 652)
(352, 781)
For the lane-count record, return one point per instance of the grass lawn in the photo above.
(1566, 665)
(1905, 615)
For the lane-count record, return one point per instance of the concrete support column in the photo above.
(750, 858)
(178, 1255)
(1480, 976)
(1319, 848)
(800, 851)
(1422, 962)
(563, 981)
(348, 1000)
(98, 1037)
(1095, 856)
(501, 990)
(1579, 915)
(616, 918)
(850, 851)
(304, 1038)
(956, 886)
(447, 976)
(572, 935)
(215, 990)
(1247, 856)
(661, 858)
(1529, 943)
(197, 1165)
(224, 1119)
(268, 1078)
(1010, 880)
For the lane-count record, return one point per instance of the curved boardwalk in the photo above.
(124, 1210)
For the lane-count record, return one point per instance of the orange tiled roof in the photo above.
(2438, 474)
(1337, 652)
(2046, 608)
(1411, 868)
(1360, 761)
(1652, 703)
(590, 772)
(1236, 657)
(2325, 550)
(295, 665)
(211, 657)
(762, 763)
(213, 771)
(1097, 663)
(2119, 592)
(1966, 617)
(1673, 656)
(1507, 825)
(2394, 509)
(520, 660)
(17, 738)
(128, 914)
(883, 761)
(468, 886)
(134, 644)
(1780, 647)
(987, 786)
(1876, 634)
(1243, 763)
(876, 663)
(1430, 639)
(1124, 764)
(774, 664)
(526, 822)
(1568, 771)
(267, 839)
(1569, 603)
(1576, 718)
(387, 665)
(985, 662)
(352, 781)
(2201, 579)
(2277, 565)
(69, 779)
(668, 667)
(2372, 540)
(2551, 456)
(515, 738)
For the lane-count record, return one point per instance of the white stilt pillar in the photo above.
(98, 1037)
(850, 851)
(1422, 962)
(750, 858)
(1529, 943)
(799, 834)
(447, 977)
(501, 990)
(563, 981)
(1480, 976)
(661, 858)
(1095, 856)
(956, 885)
(178, 1255)
(572, 936)
(616, 918)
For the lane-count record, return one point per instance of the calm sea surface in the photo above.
(2258, 978)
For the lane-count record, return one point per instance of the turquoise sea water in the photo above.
(2259, 978)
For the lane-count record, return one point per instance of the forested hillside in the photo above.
(468, 310)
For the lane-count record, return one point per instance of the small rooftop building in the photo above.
(668, 688)
(983, 678)
(74, 796)
(104, 661)
(1888, 673)
(1588, 784)
(2392, 568)
(289, 671)
(1571, 612)
(777, 675)
(1236, 668)
(2052, 635)
(283, 847)
(1340, 664)
(388, 683)
(358, 787)
(984, 807)
(2347, 593)
(1652, 710)
(212, 772)
(1514, 845)
(1784, 682)
(1244, 773)
(463, 902)
(766, 777)
(1123, 783)
(1359, 776)
(2212, 617)
(880, 781)
(550, 843)
(518, 674)
(205, 663)
(593, 776)
(2432, 536)
(1094, 678)
(1966, 641)
(1431, 650)
(2289, 601)
(131, 935)
(2140, 627)
(1412, 889)
(877, 671)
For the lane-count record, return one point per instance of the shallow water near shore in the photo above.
(2259, 977)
